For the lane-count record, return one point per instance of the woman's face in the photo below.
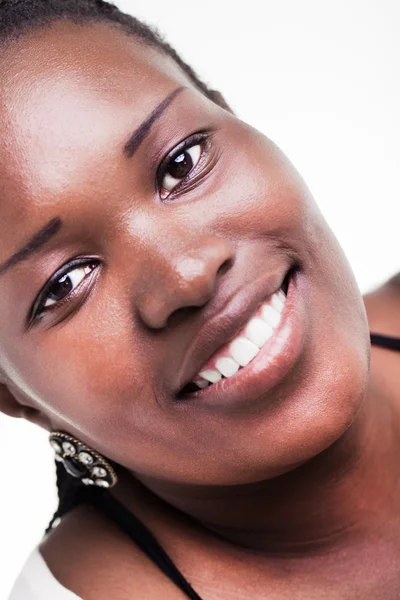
(159, 277)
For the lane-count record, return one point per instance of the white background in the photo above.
(322, 80)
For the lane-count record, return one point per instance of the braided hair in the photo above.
(18, 17)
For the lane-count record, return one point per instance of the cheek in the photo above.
(259, 195)
(91, 378)
(278, 209)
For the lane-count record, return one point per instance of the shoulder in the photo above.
(88, 554)
(383, 307)
(36, 582)
(383, 312)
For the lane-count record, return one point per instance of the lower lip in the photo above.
(271, 365)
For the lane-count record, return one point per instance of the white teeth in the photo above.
(201, 384)
(227, 366)
(243, 351)
(211, 375)
(277, 303)
(270, 315)
(258, 332)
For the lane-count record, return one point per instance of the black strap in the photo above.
(385, 341)
(146, 541)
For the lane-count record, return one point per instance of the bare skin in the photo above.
(292, 495)
(216, 569)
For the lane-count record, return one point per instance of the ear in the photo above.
(9, 405)
(218, 98)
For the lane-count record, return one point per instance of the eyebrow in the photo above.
(143, 130)
(37, 241)
(44, 235)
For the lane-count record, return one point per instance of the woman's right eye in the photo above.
(59, 289)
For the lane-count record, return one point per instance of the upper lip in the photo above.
(223, 326)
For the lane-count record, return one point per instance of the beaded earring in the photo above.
(82, 462)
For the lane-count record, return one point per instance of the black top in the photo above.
(146, 541)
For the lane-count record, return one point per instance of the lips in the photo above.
(244, 347)
(273, 363)
(226, 325)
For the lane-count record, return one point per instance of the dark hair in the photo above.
(18, 17)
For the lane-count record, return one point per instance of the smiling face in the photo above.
(163, 242)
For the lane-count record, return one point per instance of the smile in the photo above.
(260, 355)
(245, 346)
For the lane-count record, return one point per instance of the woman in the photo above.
(178, 315)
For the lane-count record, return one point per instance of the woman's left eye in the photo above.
(178, 167)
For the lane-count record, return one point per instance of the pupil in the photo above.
(61, 289)
(181, 166)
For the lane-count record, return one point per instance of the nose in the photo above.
(182, 279)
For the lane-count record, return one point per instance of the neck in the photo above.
(343, 493)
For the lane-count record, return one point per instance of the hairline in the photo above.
(34, 27)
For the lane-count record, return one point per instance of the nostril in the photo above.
(226, 265)
(181, 315)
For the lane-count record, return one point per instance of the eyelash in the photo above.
(39, 307)
(198, 139)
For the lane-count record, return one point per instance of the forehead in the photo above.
(68, 93)
(71, 62)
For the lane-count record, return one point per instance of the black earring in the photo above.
(82, 462)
